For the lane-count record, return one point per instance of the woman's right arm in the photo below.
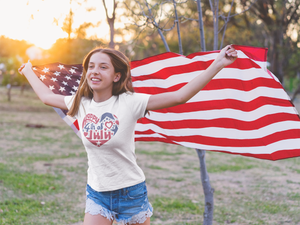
(42, 91)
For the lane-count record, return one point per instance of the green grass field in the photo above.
(43, 176)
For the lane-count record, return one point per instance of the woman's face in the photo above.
(101, 74)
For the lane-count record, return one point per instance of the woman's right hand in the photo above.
(25, 67)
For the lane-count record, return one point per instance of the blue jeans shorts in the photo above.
(126, 206)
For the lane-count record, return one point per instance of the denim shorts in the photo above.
(126, 206)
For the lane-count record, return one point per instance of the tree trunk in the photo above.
(164, 40)
(8, 92)
(207, 189)
(111, 22)
(276, 61)
(226, 22)
(215, 9)
(178, 28)
(23, 88)
(112, 33)
(201, 27)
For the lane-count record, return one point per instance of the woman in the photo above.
(107, 109)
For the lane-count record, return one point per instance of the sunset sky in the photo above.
(33, 20)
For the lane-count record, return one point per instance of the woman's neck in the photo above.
(101, 97)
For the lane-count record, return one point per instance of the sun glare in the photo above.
(44, 36)
(35, 20)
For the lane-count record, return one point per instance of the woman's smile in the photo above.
(101, 76)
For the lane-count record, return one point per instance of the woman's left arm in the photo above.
(227, 56)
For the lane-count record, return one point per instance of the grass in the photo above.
(175, 205)
(43, 176)
(15, 210)
(153, 167)
(28, 183)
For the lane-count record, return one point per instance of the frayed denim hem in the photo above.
(139, 218)
(95, 209)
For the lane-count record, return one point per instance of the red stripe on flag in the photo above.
(255, 53)
(228, 142)
(151, 59)
(282, 154)
(76, 124)
(221, 123)
(218, 84)
(165, 73)
(227, 104)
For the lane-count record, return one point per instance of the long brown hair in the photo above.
(121, 65)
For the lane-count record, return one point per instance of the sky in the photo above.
(33, 20)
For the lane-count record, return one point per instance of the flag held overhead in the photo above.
(243, 110)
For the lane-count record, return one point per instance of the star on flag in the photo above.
(42, 77)
(61, 79)
(72, 71)
(45, 70)
(61, 67)
(62, 89)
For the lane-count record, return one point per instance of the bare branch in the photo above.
(178, 28)
(226, 22)
(190, 19)
(201, 27)
(105, 9)
(244, 9)
(158, 28)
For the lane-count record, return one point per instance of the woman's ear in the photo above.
(117, 77)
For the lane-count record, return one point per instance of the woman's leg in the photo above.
(97, 220)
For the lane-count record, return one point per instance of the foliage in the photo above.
(10, 74)
(71, 51)
(279, 18)
(12, 48)
(247, 28)
(250, 24)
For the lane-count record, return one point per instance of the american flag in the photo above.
(243, 110)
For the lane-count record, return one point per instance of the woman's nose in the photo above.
(97, 72)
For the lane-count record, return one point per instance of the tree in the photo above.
(277, 17)
(68, 23)
(150, 19)
(151, 15)
(111, 21)
(12, 54)
(73, 52)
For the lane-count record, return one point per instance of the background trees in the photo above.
(267, 23)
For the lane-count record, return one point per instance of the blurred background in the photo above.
(42, 162)
(47, 31)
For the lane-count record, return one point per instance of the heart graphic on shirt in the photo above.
(99, 130)
(109, 124)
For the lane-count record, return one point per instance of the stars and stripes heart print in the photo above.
(243, 110)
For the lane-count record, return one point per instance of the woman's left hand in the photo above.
(227, 56)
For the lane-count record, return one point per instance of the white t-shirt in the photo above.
(107, 132)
